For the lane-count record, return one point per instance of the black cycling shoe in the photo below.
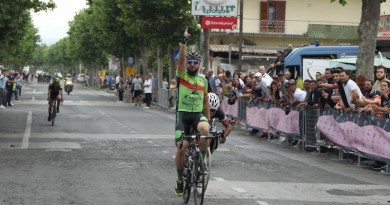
(179, 189)
(58, 110)
(49, 118)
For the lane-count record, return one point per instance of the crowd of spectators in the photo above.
(334, 89)
(10, 87)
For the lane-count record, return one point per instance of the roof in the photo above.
(245, 49)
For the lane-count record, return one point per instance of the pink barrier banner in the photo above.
(278, 120)
(230, 109)
(256, 117)
(369, 139)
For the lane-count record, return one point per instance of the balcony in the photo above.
(267, 26)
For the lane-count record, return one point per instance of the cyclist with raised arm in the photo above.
(192, 108)
(217, 112)
(54, 93)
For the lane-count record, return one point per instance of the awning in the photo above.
(245, 49)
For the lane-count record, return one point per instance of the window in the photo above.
(272, 16)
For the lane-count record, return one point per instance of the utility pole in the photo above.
(240, 37)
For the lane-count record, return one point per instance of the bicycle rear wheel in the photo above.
(199, 180)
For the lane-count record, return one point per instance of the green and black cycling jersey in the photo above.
(191, 91)
(54, 90)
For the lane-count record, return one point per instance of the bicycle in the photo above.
(54, 111)
(217, 136)
(195, 174)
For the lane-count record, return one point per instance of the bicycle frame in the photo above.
(194, 170)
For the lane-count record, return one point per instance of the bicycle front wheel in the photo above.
(199, 180)
(187, 187)
(207, 168)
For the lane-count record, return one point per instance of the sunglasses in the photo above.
(193, 62)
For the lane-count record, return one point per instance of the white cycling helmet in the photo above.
(213, 101)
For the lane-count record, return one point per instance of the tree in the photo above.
(14, 18)
(368, 32)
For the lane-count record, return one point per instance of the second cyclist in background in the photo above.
(54, 93)
(217, 112)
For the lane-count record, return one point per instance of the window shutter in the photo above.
(263, 10)
(280, 9)
(263, 16)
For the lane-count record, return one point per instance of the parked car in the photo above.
(80, 78)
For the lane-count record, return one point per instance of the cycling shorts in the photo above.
(187, 120)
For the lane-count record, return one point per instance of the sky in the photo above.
(53, 25)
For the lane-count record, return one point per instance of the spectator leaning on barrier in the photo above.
(368, 84)
(313, 96)
(274, 91)
(360, 80)
(381, 75)
(349, 92)
(218, 84)
(328, 75)
(385, 98)
(265, 75)
(326, 99)
(297, 94)
(306, 85)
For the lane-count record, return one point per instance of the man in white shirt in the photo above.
(265, 75)
(262, 83)
(299, 95)
(351, 89)
(147, 90)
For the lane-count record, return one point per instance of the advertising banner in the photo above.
(219, 22)
(214, 7)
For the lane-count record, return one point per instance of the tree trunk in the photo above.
(206, 50)
(367, 30)
(159, 67)
(172, 64)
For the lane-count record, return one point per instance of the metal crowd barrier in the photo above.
(269, 116)
(163, 98)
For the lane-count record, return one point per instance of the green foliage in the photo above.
(18, 37)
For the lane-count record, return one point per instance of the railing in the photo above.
(359, 134)
(267, 26)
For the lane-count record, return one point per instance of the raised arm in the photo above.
(182, 53)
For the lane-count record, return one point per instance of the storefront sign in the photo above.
(214, 7)
(219, 22)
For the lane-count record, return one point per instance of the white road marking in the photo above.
(101, 112)
(156, 145)
(150, 142)
(262, 203)
(239, 190)
(27, 132)
(308, 192)
(33, 92)
(219, 179)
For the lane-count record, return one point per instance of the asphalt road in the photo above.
(101, 151)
